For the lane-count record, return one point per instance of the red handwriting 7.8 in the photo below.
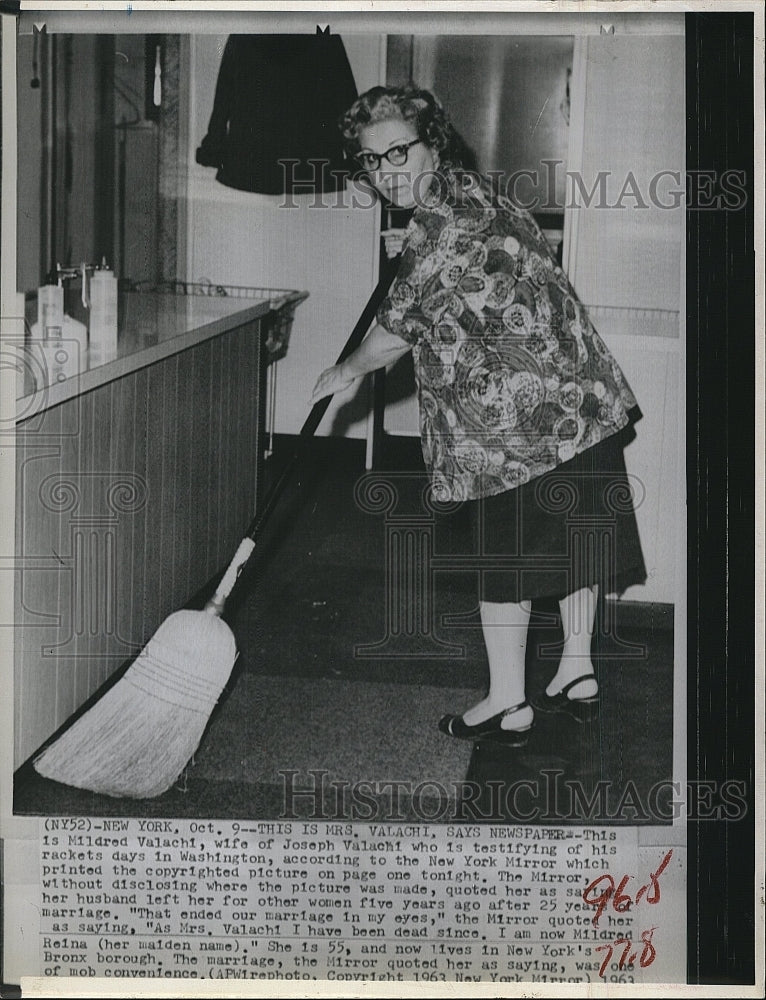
(601, 891)
(647, 956)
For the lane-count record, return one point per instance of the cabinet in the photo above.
(134, 484)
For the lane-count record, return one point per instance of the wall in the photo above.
(626, 263)
(240, 238)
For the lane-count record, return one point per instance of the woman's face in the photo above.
(397, 183)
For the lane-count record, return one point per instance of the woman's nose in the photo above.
(388, 171)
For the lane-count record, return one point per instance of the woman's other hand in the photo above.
(332, 380)
(393, 240)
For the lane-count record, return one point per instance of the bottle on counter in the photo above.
(50, 308)
(61, 355)
(103, 314)
(54, 326)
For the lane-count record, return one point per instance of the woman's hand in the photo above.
(378, 349)
(394, 241)
(332, 380)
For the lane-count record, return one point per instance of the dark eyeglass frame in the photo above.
(401, 148)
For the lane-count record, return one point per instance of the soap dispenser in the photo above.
(50, 307)
(61, 356)
(103, 314)
(58, 332)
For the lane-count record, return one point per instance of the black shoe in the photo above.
(581, 709)
(490, 729)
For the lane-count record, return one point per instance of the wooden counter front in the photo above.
(135, 482)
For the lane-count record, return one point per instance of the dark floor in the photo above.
(316, 722)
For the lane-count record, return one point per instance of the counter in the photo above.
(152, 326)
(135, 481)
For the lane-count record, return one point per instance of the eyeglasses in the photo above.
(396, 156)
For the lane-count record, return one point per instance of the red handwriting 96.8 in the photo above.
(621, 900)
(602, 892)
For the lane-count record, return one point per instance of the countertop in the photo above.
(152, 326)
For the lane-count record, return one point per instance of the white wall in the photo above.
(626, 263)
(633, 123)
(235, 237)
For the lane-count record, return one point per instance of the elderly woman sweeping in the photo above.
(522, 406)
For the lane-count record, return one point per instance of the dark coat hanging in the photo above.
(278, 98)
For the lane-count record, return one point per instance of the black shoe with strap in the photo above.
(581, 709)
(491, 729)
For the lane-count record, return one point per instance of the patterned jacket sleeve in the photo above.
(400, 312)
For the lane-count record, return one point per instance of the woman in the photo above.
(521, 403)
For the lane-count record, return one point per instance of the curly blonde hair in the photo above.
(418, 108)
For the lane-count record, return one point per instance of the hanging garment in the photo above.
(277, 101)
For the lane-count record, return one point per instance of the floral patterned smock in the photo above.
(512, 377)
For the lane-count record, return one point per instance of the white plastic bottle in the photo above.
(76, 334)
(103, 314)
(60, 353)
(50, 309)
(63, 340)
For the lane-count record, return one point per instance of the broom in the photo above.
(137, 739)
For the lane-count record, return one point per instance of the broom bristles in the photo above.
(137, 739)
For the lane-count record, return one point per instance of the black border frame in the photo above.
(720, 343)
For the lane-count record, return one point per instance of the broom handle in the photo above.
(216, 604)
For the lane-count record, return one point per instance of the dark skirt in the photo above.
(573, 527)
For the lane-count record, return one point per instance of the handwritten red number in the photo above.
(607, 958)
(601, 890)
(649, 952)
(599, 900)
(622, 900)
(654, 895)
(625, 952)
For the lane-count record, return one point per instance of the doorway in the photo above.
(509, 98)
